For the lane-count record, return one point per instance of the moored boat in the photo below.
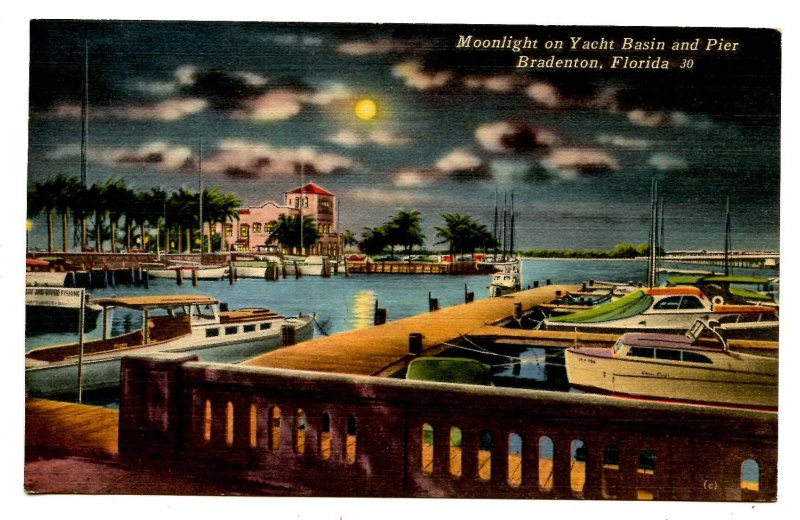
(676, 368)
(203, 272)
(670, 310)
(57, 309)
(187, 324)
(506, 281)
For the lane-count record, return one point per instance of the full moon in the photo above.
(366, 109)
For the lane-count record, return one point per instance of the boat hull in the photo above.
(102, 371)
(40, 319)
(214, 273)
(54, 279)
(762, 332)
(662, 381)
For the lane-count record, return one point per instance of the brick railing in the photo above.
(337, 435)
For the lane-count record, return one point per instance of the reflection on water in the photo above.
(361, 310)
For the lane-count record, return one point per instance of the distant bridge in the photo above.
(750, 259)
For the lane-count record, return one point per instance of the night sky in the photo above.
(453, 129)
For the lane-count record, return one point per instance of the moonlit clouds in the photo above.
(579, 161)
(275, 105)
(350, 138)
(366, 48)
(666, 162)
(458, 161)
(413, 75)
(238, 157)
(631, 143)
(544, 94)
(169, 110)
(513, 137)
(503, 83)
(156, 154)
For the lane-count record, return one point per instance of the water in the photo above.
(342, 303)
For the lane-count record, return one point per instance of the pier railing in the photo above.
(337, 435)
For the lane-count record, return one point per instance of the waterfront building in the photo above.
(253, 229)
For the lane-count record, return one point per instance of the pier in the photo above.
(331, 417)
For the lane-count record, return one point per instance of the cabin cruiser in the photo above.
(676, 368)
(507, 280)
(670, 310)
(57, 309)
(186, 324)
(187, 270)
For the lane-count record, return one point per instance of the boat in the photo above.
(507, 281)
(730, 289)
(312, 265)
(186, 324)
(44, 272)
(57, 309)
(676, 367)
(670, 310)
(576, 301)
(203, 272)
(256, 268)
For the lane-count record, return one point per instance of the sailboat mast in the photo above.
(727, 235)
(505, 198)
(511, 241)
(653, 239)
(494, 229)
(84, 132)
(302, 180)
(200, 192)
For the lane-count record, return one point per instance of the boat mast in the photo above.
(652, 275)
(84, 131)
(727, 235)
(504, 226)
(494, 229)
(200, 192)
(511, 241)
(302, 178)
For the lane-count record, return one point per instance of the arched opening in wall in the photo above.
(325, 437)
(577, 467)
(750, 480)
(274, 428)
(514, 460)
(351, 440)
(207, 421)
(609, 481)
(300, 432)
(427, 449)
(546, 449)
(456, 442)
(485, 456)
(253, 425)
(645, 475)
(229, 424)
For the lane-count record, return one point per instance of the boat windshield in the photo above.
(618, 345)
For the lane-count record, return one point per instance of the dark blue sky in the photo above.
(579, 149)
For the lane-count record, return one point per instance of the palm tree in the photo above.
(96, 204)
(373, 241)
(219, 207)
(80, 207)
(463, 234)
(118, 199)
(405, 229)
(153, 206)
(42, 199)
(348, 238)
(287, 232)
(62, 187)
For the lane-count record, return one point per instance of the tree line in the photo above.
(100, 210)
(461, 233)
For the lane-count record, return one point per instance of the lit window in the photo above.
(228, 230)
(244, 231)
(256, 228)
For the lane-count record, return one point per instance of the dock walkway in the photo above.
(383, 349)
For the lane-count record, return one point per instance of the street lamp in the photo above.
(28, 226)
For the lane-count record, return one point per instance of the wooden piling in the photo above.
(178, 277)
(194, 277)
(231, 272)
(415, 343)
(297, 273)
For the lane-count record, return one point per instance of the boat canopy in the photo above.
(625, 307)
(450, 370)
(686, 279)
(166, 301)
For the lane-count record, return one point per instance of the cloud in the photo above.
(330, 93)
(237, 157)
(365, 48)
(354, 138)
(413, 75)
(625, 142)
(275, 105)
(168, 110)
(514, 137)
(460, 164)
(383, 196)
(504, 83)
(571, 162)
(666, 162)
(641, 117)
(156, 154)
(544, 94)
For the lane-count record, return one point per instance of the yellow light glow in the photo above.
(366, 109)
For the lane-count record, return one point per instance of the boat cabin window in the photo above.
(644, 352)
(679, 302)
(618, 345)
(203, 311)
(265, 326)
(249, 328)
(231, 330)
(669, 354)
(694, 357)
(212, 333)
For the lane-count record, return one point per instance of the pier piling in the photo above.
(194, 277)
(415, 343)
(178, 277)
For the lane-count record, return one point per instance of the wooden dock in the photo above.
(384, 349)
(400, 267)
(71, 428)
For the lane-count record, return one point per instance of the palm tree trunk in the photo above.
(84, 238)
(113, 236)
(98, 244)
(64, 231)
(50, 239)
(141, 234)
(128, 233)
